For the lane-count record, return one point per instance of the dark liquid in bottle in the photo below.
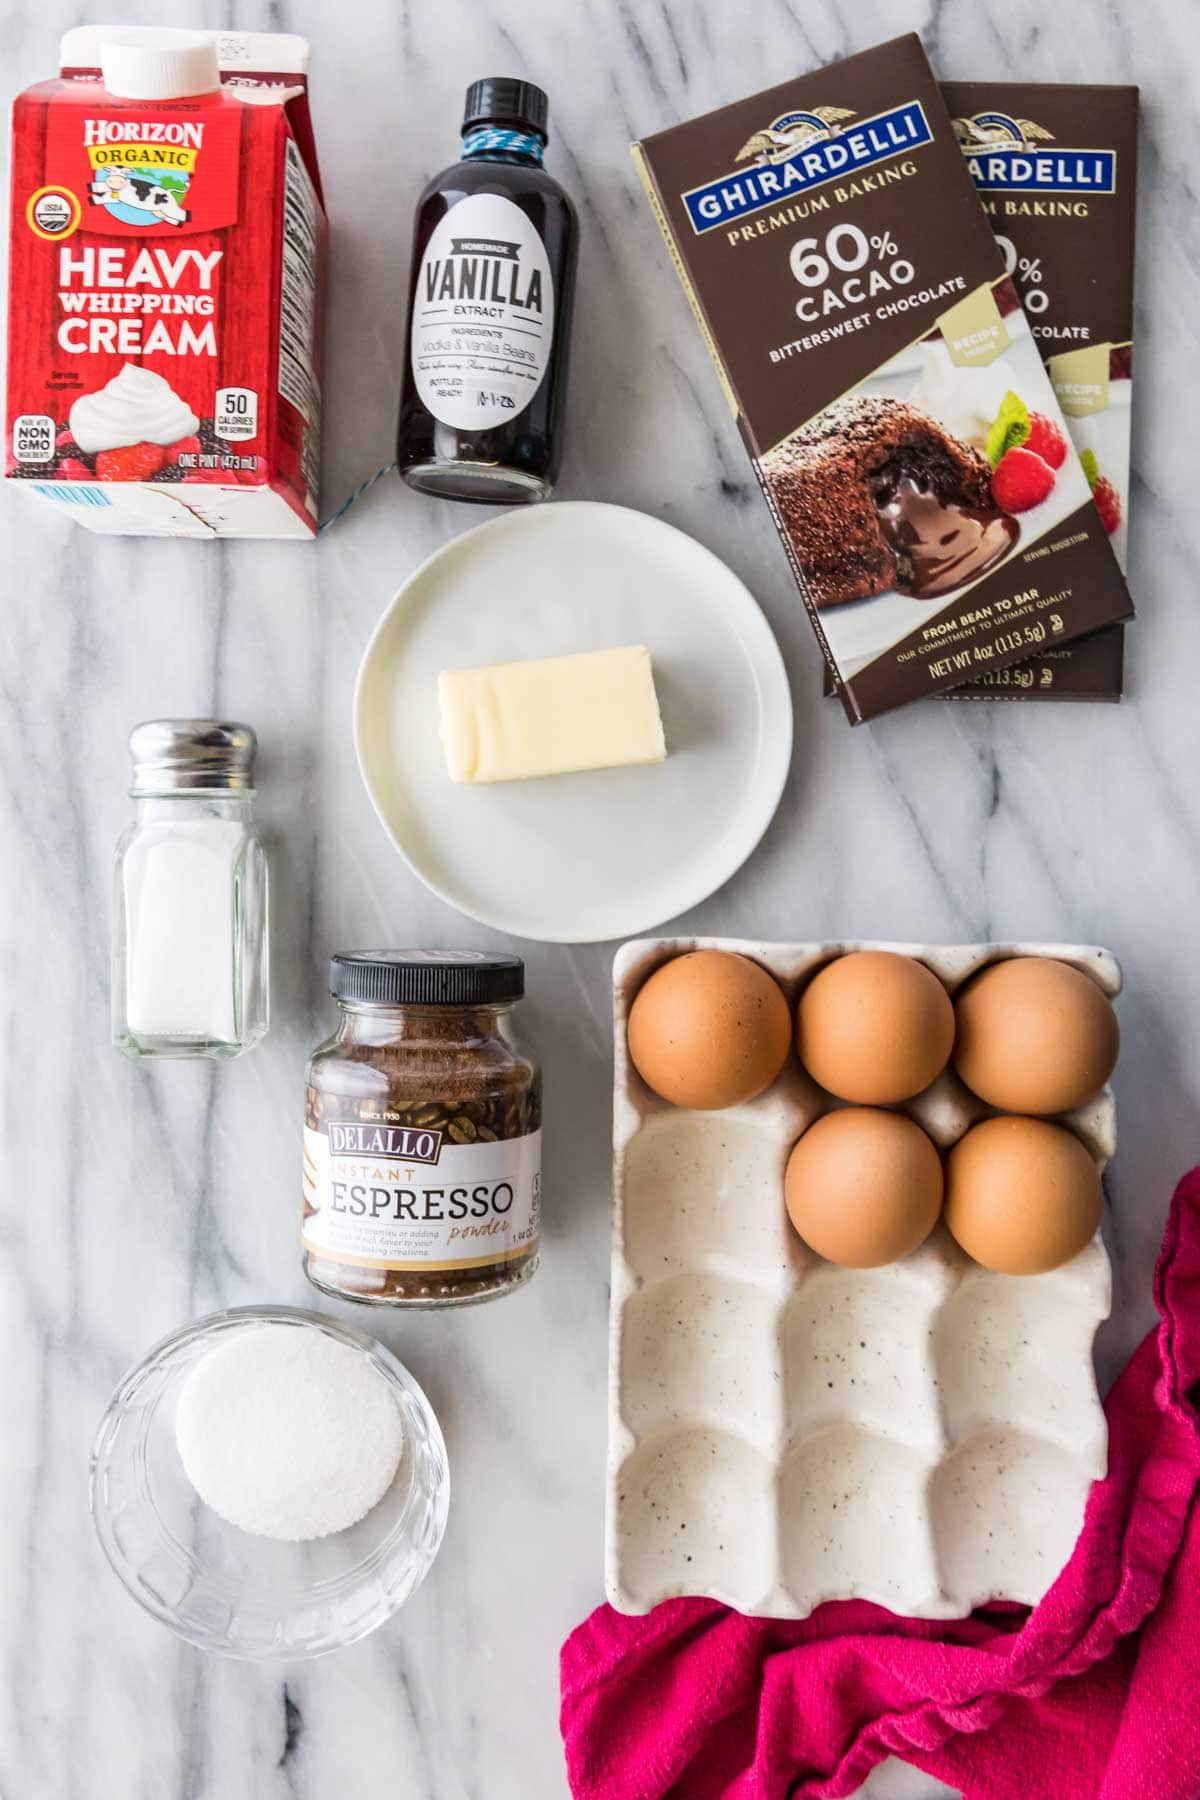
(489, 324)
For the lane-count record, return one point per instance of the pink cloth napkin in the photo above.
(1094, 1695)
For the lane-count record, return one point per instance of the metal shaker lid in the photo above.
(170, 755)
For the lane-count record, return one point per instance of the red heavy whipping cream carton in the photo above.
(167, 253)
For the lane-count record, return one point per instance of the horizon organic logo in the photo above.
(142, 168)
(188, 133)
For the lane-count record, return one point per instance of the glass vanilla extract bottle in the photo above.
(489, 322)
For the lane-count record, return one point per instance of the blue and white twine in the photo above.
(358, 493)
(493, 137)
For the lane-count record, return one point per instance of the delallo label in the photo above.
(394, 1197)
(166, 260)
(871, 342)
(483, 314)
(398, 1143)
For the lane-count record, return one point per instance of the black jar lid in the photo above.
(502, 100)
(426, 977)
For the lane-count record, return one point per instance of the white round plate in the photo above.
(578, 858)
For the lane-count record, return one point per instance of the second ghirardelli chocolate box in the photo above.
(866, 333)
(1055, 166)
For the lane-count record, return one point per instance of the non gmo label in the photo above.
(33, 438)
(394, 1198)
(483, 314)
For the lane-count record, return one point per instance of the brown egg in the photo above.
(709, 1029)
(863, 1187)
(1035, 1035)
(874, 1027)
(1022, 1196)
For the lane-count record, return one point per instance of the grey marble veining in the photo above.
(136, 1198)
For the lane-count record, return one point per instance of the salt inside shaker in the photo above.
(190, 952)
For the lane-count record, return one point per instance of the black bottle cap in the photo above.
(499, 100)
(426, 977)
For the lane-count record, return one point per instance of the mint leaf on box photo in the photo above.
(1010, 427)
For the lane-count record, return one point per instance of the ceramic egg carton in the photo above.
(784, 1432)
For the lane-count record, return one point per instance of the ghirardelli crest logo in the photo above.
(800, 150)
(987, 130)
(142, 168)
(1007, 155)
(792, 130)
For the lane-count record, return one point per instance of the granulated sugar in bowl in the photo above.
(270, 1483)
(288, 1433)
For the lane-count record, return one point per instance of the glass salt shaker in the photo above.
(190, 953)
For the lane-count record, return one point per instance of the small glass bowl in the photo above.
(222, 1588)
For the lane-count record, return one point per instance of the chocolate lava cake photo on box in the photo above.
(876, 496)
(923, 481)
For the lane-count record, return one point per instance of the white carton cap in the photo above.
(163, 65)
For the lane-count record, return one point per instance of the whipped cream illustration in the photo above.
(964, 400)
(135, 407)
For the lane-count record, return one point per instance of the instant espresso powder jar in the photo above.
(422, 1133)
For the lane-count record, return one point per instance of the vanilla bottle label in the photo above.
(483, 315)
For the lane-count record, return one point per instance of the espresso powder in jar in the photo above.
(422, 1133)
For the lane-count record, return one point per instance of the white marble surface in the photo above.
(134, 1199)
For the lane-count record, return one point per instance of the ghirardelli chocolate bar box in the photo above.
(863, 324)
(1055, 166)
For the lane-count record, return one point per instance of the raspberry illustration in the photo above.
(132, 462)
(1108, 501)
(71, 469)
(1022, 480)
(188, 446)
(1046, 440)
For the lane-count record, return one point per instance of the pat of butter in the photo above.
(552, 716)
